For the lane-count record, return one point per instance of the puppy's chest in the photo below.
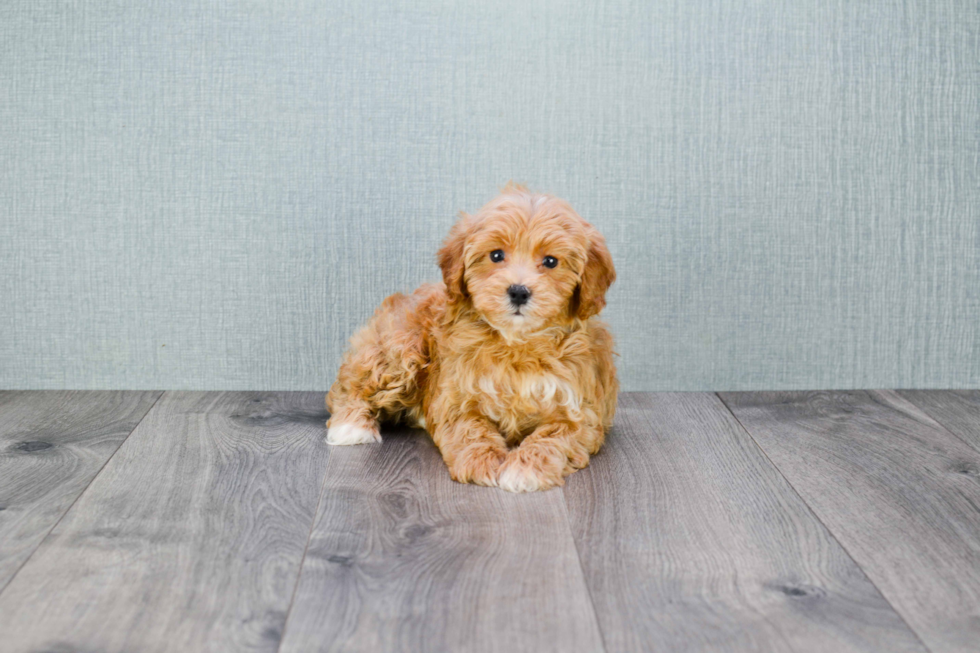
(519, 400)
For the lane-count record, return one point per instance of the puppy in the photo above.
(504, 363)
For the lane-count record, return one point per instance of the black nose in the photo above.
(518, 295)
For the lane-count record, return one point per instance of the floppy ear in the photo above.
(599, 274)
(451, 259)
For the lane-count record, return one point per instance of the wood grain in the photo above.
(900, 492)
(190, 539)
(957, 410)
(52, 444)
(691, 541)
(404, 559)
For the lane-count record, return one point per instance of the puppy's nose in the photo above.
(518, 295)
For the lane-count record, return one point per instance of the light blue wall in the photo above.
(214, 195)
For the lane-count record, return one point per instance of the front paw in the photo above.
(477, 465)
(523, 473)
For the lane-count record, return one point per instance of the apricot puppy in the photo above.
(505, 363)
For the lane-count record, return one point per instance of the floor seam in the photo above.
(813, 512)
(302, 561)
(581, 568)
(80, 494)
(578, 553)
(939, 423)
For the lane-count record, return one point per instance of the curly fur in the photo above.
(512, 400)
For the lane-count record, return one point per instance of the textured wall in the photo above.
(215, 196)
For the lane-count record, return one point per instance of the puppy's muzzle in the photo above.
(518, 295)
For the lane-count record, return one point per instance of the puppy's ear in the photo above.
(451, 259)
(599, 274)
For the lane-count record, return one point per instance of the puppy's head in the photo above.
(526, 262)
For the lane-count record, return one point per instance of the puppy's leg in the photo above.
(545, 457)
(472, 449)
(378, 376)
(353, 417)
(353, 425)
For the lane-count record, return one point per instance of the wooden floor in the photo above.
(789, 521)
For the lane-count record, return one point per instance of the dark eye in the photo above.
(550, 262)
(497, 255)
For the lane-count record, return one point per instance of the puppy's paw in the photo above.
(518, 474)
(342, 434)
(477, 465)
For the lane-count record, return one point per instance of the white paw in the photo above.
(350, 434)
(516, 478)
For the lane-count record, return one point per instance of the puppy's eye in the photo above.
(550, 262)
(497, 255)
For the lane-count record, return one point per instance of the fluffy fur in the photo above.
(514, 396)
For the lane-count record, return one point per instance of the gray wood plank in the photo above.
(957, 410)
(897, 491)
(190, 539)
(404, 559)
(52, 444)
(692, 541)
